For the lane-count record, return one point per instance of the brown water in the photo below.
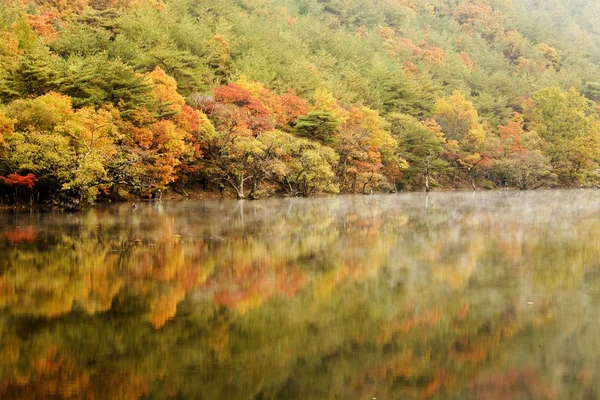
(454, 296)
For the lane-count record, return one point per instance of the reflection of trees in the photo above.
(73, 273)
(345, 297)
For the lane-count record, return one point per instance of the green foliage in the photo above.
(95, 81)
(318, 125)
(569, 126)
(300, 166)
(421, 146)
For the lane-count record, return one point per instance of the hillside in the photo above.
(115, 99)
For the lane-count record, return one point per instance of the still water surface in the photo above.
(450, 296)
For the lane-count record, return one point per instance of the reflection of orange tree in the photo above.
(523, 383)
(163, 273)
(55, 375)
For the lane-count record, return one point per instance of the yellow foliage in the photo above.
(164, 307)
(325, 101)
(6, 127)
(165, 91)
(256, 88)
(459, 120)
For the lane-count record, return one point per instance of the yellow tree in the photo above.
(459, 120)
(68, 149)
(460, 124)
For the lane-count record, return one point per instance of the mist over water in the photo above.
(447, 295)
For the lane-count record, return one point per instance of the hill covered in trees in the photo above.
(114, 99)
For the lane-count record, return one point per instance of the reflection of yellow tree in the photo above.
(73, 273)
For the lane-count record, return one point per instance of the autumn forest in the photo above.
(116, 99)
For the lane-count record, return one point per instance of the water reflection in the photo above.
(486, 295)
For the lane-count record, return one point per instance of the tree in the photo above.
(460, 124)
(551, 55)
(365, 147)
(158, 139)
(321, 126)
(219, 58)
(250, 115)
(67, 149)
(18, 181)
(569, 127)
(95, 81)
(299, 166)
(421, 145)
(459, 120)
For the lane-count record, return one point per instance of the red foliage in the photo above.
(21, 235)
(233, 94)
(250, 114)
(293, 106)
(28, 180)
(262, 285)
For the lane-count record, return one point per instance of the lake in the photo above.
(485, 295)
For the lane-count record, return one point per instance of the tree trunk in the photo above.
(453, 176)
(241, 191)
(427, 175)
(255, 182)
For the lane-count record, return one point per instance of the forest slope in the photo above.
(115, 99)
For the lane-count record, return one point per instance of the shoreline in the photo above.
(211, 195)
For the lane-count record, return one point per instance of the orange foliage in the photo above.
(410, 68)
(426, 320)
(165, 91)
(512, 135)
(387, 33)
(434, 55)
(259, 286)
(440, 380)
(42, 25)
(522, 383)
(55, 376)
(476, 348)
(361, 31)
(432, 125)
(466, 59)
(293, 107)
(408, 45)
(165, 307)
